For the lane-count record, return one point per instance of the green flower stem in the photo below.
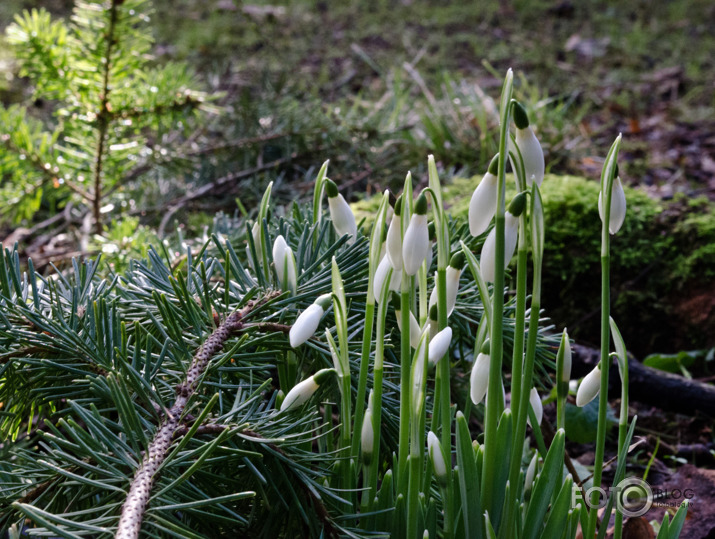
(405, 364)
(364, 364)
(417, 445)
(622, 433)
(606, 189)
(423, 294)
(494, 395)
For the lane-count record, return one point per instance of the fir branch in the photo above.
(135, 504)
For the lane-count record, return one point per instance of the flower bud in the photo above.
(415, 246)
(367, 436)
(284, 262)
(306, 324)
(479, 378)
(511, 228)
(589, 388)
(529, 147)
(301, 392)
(483, 203)
(340, 212)
(439, 466)
(415, 330)
(381, 274)
(439, 345)
(563, 366)
(618, 206)
(537, 405)
(394, 237)
(530, 476)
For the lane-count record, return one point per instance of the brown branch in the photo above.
(140, 489)
(270, 326)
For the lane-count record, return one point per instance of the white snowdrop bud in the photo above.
(589, 388)
(381, 274)
(530, 476)
(415, 246)
(367, 435)
(306, 324)
(394, 237)
(529, 146)
(284, 261)
(618, 206)
(302, 391)
(511, 228)
(453, 273)
(439, 345)
(439, 466)
(340, 212)
(479, 378)
(563, 366)
(483, 204)
(537, 405)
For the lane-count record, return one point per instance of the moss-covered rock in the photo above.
(662, 264)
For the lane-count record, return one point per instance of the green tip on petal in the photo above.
(330, 188)
(485, 347)
(432, 231)
(458, 260)
(521, 118)
(421, 205)
(494, 165)
(395, 300)
(323, 375)
(433, 313)
(518, 204)
(398, 206)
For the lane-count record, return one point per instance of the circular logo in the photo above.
(634, 497)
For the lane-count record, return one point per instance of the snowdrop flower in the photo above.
(285, 264)
(530, 476)
(529, 147)
(381, 274)
(415, 246)
(439, 466)
(394, 237)
(367, 436)
(589, 388)
(415, 330)
(454, 272)
(306, 324)
(340, 212)
(618, 206)
(483, 204)
(511, 228)
(479, 378)
(563, 366)
(537, 405)
(439, 345)
(302, 391)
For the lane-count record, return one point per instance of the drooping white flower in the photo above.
(618, 206)
(439, 345)
(529, 146)
(284, 261)
(511, 228)
(479, 378)
(589, 388)
(483, 204)
(415, 246)
(381, 274)
(415, 330)
(340, 212)
(367, 434)
(306, 324)
(453, 273)
(537, 405)
(302, 391)
(394, 237)
(439, 466)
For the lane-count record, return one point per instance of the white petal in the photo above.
(415, 330)
(381, 274)
(479, 378)
(435, 452)
(537, 405)
(618, 206)
(589, 388)
(306, 324)
(483, 205)
(300, 394)
(279, 253)
(342, 216)
(453, 275)
(416, 245)
(394, 242)
(532, 155)
(439, 346)
(367, 437)
(511, 229)
(566, 373)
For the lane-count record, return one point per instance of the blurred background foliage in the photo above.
(277, 88)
